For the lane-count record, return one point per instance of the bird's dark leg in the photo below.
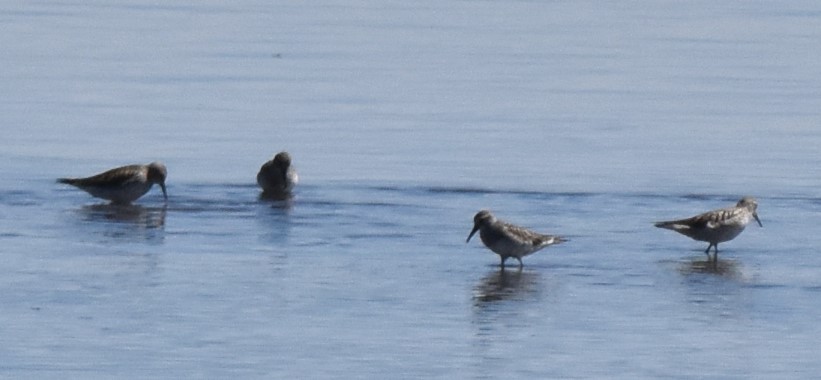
(707, 252)
(715, 255)
(502, 264)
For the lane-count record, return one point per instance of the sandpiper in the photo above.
(508, 240)
(716, 226)
(276, 177)
(122, 185)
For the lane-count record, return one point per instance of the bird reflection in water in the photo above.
(505, 284)
(278, 203)
(719, 267)
(148, 217)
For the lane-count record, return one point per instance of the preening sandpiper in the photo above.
(508, 240)
(716, 226)
(277, 178)
(122, 185)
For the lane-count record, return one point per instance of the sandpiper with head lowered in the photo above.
(122, 185)
(716, 226)
(508, 240)
(277, 178)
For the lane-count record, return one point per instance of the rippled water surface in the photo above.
(587, 120)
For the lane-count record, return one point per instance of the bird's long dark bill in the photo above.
(473, 231)
(164, 194)
(757, 220)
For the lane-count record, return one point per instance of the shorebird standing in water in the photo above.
(122, 185)
(508, 240)
(716, 226)
(277, 178)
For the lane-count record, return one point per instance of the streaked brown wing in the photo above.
(719, 216)
(523, 234)
(114, 177)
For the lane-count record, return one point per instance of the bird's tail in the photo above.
(670, 225)
(69, 181)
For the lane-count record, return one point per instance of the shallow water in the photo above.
(586, 120)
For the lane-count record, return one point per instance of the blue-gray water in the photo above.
(584, 119)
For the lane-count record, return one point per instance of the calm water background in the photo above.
(586, 119)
